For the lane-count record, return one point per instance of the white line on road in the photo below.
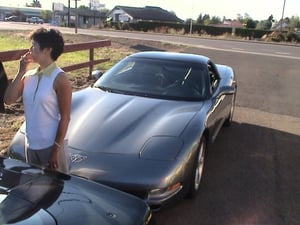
(282, 53)
(247, 52)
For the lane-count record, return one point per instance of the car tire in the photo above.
(229, 119)
(198, 169)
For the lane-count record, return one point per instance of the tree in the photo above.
(19, 14)
(105, 11)
(83, 7)
(239, 18)
(203, 20)
(250, 23)
(215, 20)
(46, 15)
(206, 20)
(265, 24)
(294, 22)
(189, 21)
(269, 22)
(246, 20)
(35, 3)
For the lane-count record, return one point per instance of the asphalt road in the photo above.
(252, 170)
(251, 174)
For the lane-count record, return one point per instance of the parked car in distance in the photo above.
(145, 125)
(36, 20)
(30, 195)
(11, 18)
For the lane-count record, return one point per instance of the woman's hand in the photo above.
(25, 60)
(15, 90)
(54, 158)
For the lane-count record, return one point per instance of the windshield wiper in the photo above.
(107, 89)
(103, 88)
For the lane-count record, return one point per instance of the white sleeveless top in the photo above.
(41, 107)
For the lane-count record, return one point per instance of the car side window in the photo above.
(213, 76)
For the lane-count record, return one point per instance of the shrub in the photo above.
(292, 37)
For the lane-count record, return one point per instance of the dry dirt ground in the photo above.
(13, 117)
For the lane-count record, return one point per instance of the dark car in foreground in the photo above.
(145, 125)
(29, 195)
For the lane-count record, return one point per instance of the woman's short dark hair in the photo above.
(51, 38)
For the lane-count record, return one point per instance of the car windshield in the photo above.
(155, 78)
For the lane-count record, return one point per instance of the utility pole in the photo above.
(191, 22)
(282, 15)
(68, 13)
(191, 27)
(76, 17)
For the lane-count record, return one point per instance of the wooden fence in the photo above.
(16, 54)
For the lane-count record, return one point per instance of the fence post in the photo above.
(91, 60)
(3, 86)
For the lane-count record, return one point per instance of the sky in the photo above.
(256, 9)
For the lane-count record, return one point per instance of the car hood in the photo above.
(109, 123)
(34, 196)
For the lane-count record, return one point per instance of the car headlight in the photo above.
(161, 148)
(157, 196)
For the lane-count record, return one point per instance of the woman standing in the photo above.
(46, 93)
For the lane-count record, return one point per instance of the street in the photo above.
(251, 175)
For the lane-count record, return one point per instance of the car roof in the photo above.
(184, 57)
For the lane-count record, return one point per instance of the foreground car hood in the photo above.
(24, 213)
(33, 196)
(107, 122)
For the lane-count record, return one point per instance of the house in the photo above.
(85, 17)
(281, 25)
(61, 15)
(148, 13)
(24, 12)
(230, 23)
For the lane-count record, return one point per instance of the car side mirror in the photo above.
(227, 90)
(96, 74)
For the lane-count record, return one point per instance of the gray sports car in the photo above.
(145, 124)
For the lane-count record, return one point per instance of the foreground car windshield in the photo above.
(164, 79)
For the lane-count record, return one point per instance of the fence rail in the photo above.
(13, 55)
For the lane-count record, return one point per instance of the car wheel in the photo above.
(228, 121)
(197, 171)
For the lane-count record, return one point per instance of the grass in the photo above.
(14, 40)
(8, 129)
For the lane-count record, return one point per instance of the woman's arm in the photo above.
(63, 89)
(15, 88)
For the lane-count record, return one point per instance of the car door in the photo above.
(216, 112)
